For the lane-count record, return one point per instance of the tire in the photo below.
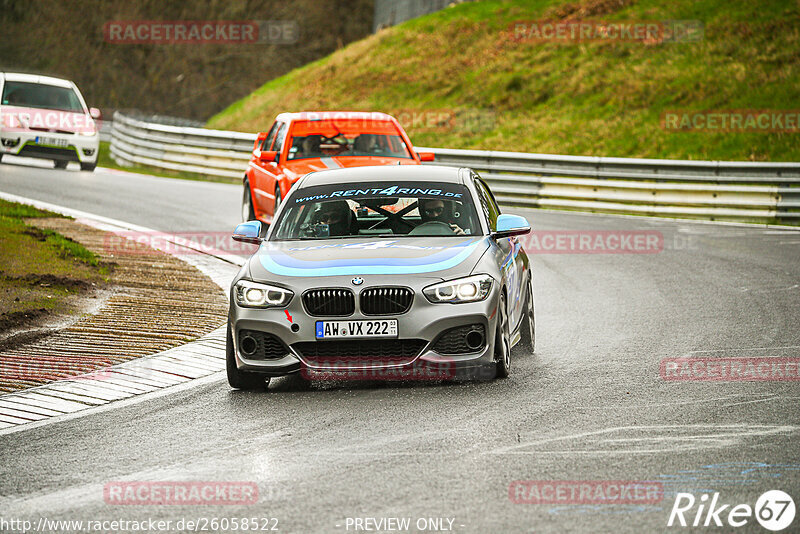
(60, 164)
(502, 342)
(241, 379)
(527, 329)
(278, 199)
(248, 212)
(88, 167)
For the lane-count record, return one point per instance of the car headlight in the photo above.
(469, 289)
(254, 295)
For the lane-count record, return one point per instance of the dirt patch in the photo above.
(152, 301)
(591, 8)
(12, 320)
(47, 280)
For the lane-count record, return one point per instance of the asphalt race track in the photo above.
(589, 405)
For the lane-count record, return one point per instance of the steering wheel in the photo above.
(432, 228)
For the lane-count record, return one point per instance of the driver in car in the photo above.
(334, 219)
(433, 210)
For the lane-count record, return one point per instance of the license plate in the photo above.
(356, 329)
(51, 141)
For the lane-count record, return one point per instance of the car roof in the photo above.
(35, 78)
(384, 173)
(329, 115)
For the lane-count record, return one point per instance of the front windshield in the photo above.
(325, 138)
(41, 96)
(377, 209)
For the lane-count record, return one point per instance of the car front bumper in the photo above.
(30, 144)
(424, 321)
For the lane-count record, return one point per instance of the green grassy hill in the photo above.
(591, 98)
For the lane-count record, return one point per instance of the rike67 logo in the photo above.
(774, 510)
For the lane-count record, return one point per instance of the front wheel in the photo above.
(248, 213)
(527, 339)
(88, 167)
(278, 199)
(502, 342)
(241, 379)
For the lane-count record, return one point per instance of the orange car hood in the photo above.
(296, 168)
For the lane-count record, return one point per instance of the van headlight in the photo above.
(469, 289)
(255, 295)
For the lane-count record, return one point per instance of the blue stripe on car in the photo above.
(284, 265)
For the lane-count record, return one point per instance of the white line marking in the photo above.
(730, 435)
(752, 401)
(744, 349)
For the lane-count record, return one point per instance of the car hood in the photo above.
(304, 166)
(426, 257)
(17, 118)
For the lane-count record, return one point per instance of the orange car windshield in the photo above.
(364, 138)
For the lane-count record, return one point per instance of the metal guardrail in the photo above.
(718, 190)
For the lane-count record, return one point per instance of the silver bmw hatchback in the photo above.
(382, 273)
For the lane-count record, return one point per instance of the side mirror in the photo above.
(248, 232)
(259, 139)
(511, 225)
(95, 113)
(426, 156)
(268, 156)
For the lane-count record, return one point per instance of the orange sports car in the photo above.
(300, 143)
